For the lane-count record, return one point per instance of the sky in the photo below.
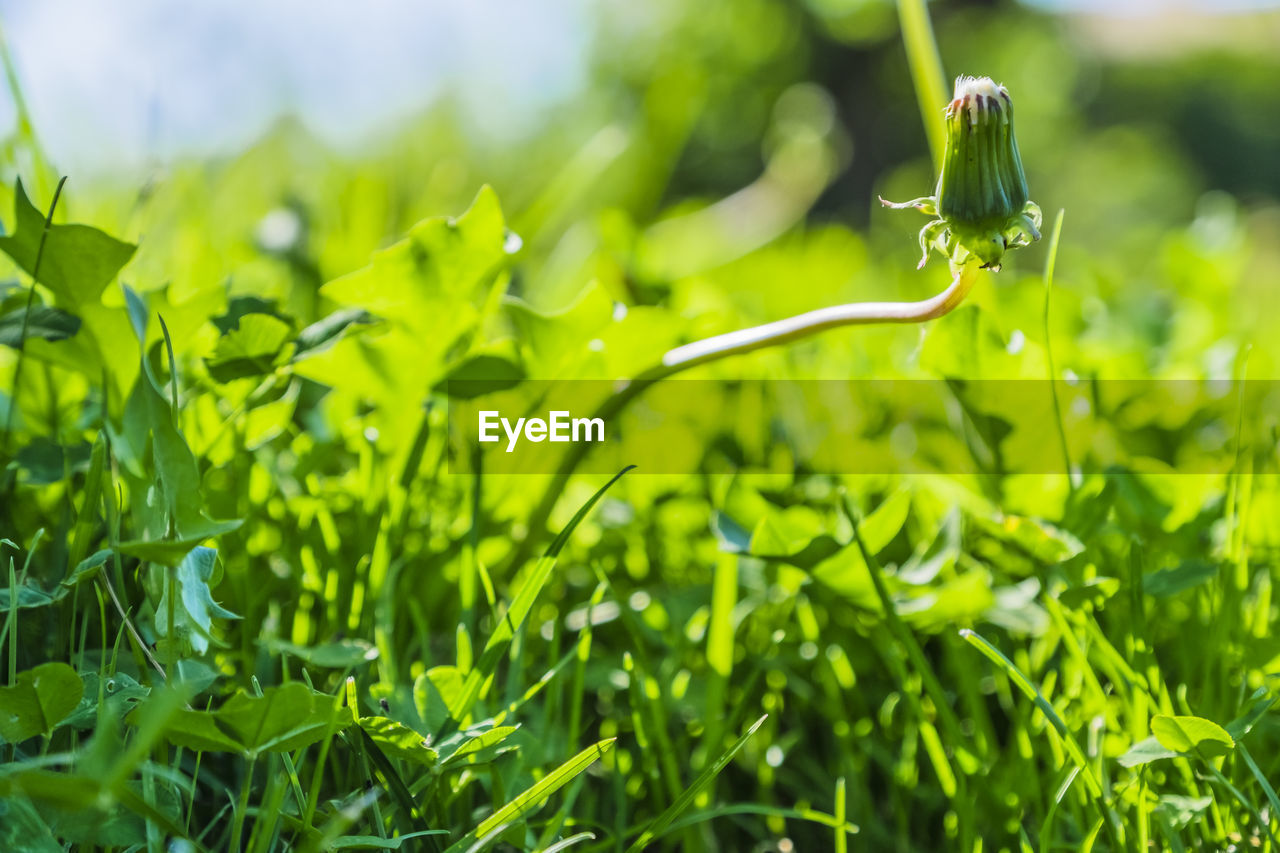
(121, 84)
(130, 81)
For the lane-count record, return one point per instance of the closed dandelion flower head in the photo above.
(981, 202)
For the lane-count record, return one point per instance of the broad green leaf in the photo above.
(434, 692)
(30, 596)
(1144, 752)
(441, 257)
(846, 573)
(433, 292)
(484, 373)
(256, 347)
(75, 793)
(398, 741)
(957, 601)
(195, 608)
(88, 568)
(282, 719)
(120, 691)
(78, 261)
(1191, 735)
(883, 523)
(40, 699)
(45, 461)
(22, 830)
(552, 343)
(43, 322)
(788, 531)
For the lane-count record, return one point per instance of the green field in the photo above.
(259, 595)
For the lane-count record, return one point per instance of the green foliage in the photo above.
(79, 261)
(38, 700)
(271, 608)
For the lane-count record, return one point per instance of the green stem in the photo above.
(26, 316)
(1049, 265)
(926, 73)
(242, 806)
(171, 580)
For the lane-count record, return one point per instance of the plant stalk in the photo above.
(26, 317)
(926, 73)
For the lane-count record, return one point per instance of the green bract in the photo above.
(981, 201)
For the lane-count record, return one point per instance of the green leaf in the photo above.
(22, 830)
(120, 691)
(552, 343)
(529, 588)
(434, 292)
(195, 608)
(322, 334)
(538, 793)
(398, 740)
(40, 699)
(880, 527)
(478, 743)
(1253, 711)
(442, 257)
(1144, 752)
(30, 596)
(50, 324)
(434, 692)
(78, 261)
(1194, 735)
(282, 719)
(167, 504)
(88, 568)
(686, 798)
(481, 374)
(258, 346)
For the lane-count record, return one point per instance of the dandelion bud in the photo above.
(981, 201)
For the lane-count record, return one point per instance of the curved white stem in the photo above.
(803, 325)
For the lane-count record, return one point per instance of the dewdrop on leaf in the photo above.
(981, 202)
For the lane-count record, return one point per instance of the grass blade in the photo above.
(533, 797)
(502, 636)
(664, 820)
(1033, 693)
